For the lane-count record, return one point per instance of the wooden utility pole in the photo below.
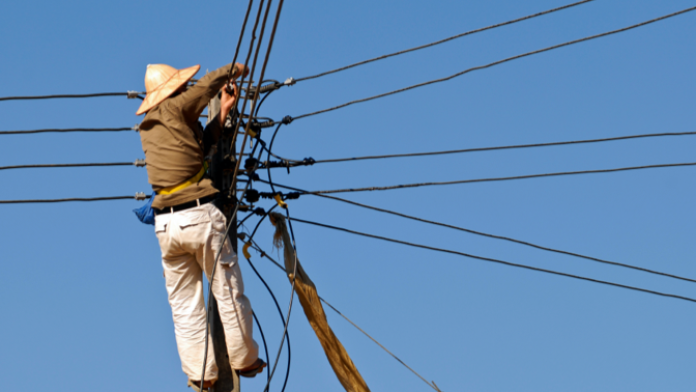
(228, 379)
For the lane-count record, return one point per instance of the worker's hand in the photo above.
(243, 69)
(228, 98)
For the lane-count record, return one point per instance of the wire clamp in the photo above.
(279, 199)
(140, 196)
(287, 120)
(132, 94)
(290, 81)
(245, 250)
(136, 127)
(139, 163)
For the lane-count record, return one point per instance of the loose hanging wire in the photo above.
(264, 254)
(498, 62)
(446, 40)
(137, 163)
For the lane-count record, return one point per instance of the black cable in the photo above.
(258, 324)
(264, 254)
(384, 188)
(417, 154)
(496, 236)
(445, 40)
(496, 261)
(239, 42)
(68, 165)
(73, 199)
(132, 94)
(497, 63)
(69, 130)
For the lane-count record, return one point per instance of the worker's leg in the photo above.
(184, 281)
(228, 289)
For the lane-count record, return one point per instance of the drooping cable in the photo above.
(384, 188)
(497, 261)
(264, 254)
(135, 128)
(497, 63)
(445, 40)
(496, 236)
(481, 149)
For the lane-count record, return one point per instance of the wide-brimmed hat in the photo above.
(161, 81)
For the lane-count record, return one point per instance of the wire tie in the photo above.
(245, 250)
(280, 201)
(140, 196)
(132, 94)
(139, 163)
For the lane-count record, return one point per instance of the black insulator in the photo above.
(292, 195)
(251, 163)
(259, 211)
(251, 195)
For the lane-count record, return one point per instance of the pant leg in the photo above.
(184, 282)
(228, 289)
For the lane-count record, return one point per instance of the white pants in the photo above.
(190, 240)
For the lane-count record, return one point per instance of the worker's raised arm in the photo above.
(196, 98)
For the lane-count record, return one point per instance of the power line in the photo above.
(137, 163)
(498, 62)
(129, 94)
(385, 188)
(497, 236)
(133, 128)
(138, 196)
(445, 40)
(480, 149)
(264, 254)
(496, 260)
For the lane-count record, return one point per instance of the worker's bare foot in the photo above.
(196, 385)
(254, 369)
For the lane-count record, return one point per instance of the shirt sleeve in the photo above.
(195, 99)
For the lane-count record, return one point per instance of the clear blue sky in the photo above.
(83, 300)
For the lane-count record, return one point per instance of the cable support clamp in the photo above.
(287, 120)
(140, 163)
(290, 81)
(140, 196)
(136, 127)
(279, 199)
(259, 211)
(132, 94)
(245, 250)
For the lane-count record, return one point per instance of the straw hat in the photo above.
(161, 81)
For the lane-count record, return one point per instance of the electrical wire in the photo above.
(497, 63)
(263, 254)
(135, 128)
(445, 40)
(70, 165)
(75, 199)
(497, 261)
(480, 149)
(384, 188)
(131, 94)
(258, 324)
(497, 236)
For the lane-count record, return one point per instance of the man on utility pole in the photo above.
(189, 227)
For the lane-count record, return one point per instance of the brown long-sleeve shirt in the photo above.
(170, 136)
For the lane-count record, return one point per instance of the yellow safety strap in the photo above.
(185, 184)
(245, 250)
(280, 201)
